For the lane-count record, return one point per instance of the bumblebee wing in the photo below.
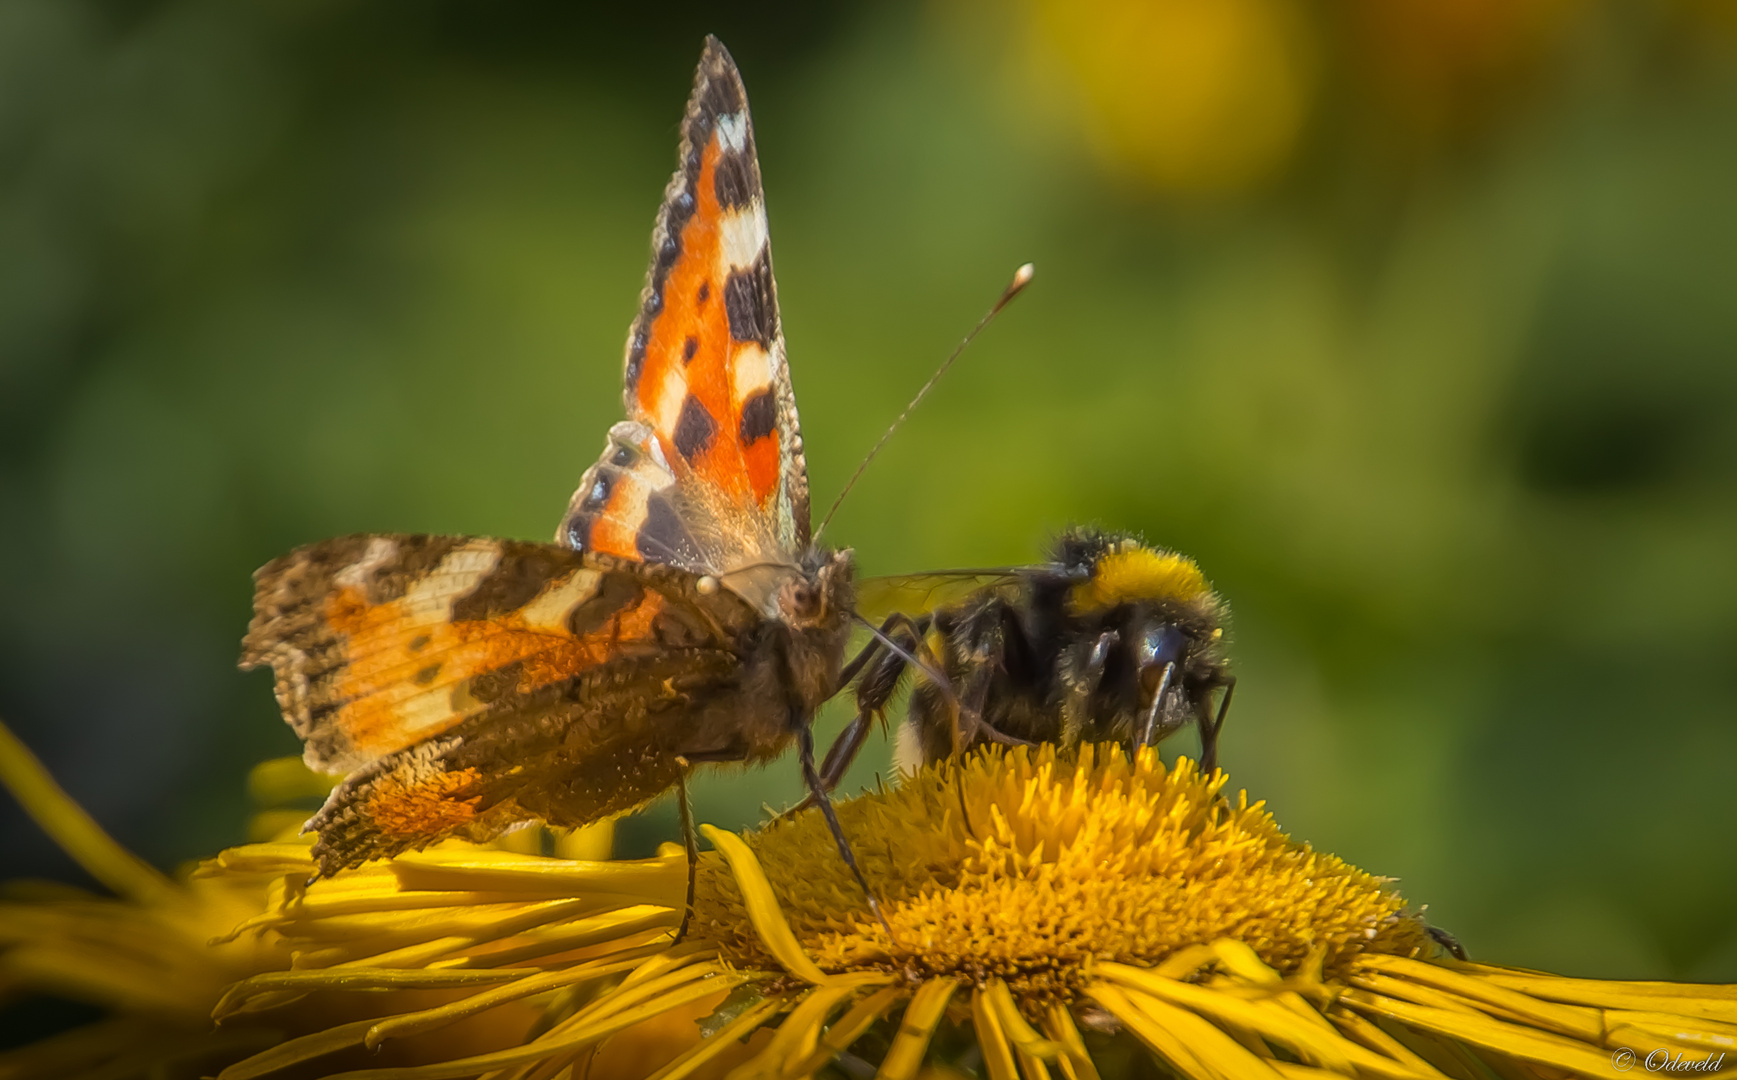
(920, 594)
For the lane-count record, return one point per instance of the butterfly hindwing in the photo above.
(457, 678)
(567, 754)
(706, 375)
(378, 642)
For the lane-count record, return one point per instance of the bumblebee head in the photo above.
(1116, 568)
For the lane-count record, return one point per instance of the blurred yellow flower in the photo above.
(1048, 912)
(1189, 97)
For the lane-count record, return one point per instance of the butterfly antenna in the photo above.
(1021, 278)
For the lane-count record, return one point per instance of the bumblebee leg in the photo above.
(1152, 714)
(971, 723)
(1080, 681)
(1209, 732)
(971, 706)
(685, 810)
(984, 637)
(990, 733)
(844, 749)
(859, 661)
(883, 638)
(805, 749)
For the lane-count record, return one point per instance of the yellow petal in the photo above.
(997, 1052)
(1570, 1020)
(75, 831)
(848, 1029)
(1215, 1049)
(924, 1012)
(1323, 1048)
(1076, 1061)
(762, 902)
(1163, 1042)
(726, 1038)
(1529, 1044)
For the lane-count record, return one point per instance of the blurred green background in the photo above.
(1412, 320)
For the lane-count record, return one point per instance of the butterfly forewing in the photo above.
(708, 473)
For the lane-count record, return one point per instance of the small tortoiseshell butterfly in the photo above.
(682, 615)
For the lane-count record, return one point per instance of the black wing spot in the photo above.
(598, 495)
(694, 429)
(615, 593)
(636, 351)
(705, 291)
(722, 92)
(734, 180)
(419, 642)
(749, 302)
(414, 558)
(578, 531)
(759, 416)
(489, 687)
(662, 537)
(689, 348)
(523, 571)
(667, 254)
(427, 674)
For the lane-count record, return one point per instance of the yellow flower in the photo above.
(1188, 98)
(1050, 915)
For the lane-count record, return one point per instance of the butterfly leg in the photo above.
(882, 672)
(1209, 731)
(685, 810)
(839, 757)
(805, 748)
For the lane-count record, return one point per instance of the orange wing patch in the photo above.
(625, 507)
(706, 384)
(432, 805)
(381, 642)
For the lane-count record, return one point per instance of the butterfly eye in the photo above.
(804, 601)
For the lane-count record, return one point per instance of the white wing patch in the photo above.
(741, 238)
(733, 131)
(750, 372)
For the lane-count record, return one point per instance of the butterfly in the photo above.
(683, 614)
(1109, 640)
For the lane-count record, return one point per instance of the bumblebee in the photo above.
(1111, 639)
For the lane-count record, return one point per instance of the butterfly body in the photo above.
(465, 685)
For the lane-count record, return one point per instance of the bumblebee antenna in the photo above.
(1021, 278)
